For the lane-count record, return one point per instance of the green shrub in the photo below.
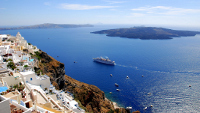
(37, 54)
(25, 66)
(11, 65)
(111, 111)
(9, 60)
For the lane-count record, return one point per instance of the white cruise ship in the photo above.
(104, 61)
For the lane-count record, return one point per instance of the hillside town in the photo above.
(22, 88)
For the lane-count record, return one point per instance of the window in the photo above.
(31, 79)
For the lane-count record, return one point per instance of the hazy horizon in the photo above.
(174, 27)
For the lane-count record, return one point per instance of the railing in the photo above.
(48, 99)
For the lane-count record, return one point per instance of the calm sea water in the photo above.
(168, 66)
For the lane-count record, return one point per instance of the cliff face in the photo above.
(91, 98)
(54, 69)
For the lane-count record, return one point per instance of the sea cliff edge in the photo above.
(89, 97)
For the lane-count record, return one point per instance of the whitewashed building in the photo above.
(4, 105)
(30, 77)
(3, 36)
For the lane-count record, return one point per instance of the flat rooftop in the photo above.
(27, 73)
(3, 70)
(16, 75)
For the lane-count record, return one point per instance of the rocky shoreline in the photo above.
(90, 97)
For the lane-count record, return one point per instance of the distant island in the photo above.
(48, 25)
(146, 33)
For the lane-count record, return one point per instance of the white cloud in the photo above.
(47, 3)
(163, 10)
(114, 2)
(82, 7)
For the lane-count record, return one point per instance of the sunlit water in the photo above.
(168, 67)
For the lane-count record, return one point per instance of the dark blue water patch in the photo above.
(160, 71)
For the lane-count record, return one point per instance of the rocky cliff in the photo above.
(90, 97)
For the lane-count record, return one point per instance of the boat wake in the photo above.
(155, 71)
(134, 67)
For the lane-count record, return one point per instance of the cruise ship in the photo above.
(104, 61)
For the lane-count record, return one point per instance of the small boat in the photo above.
(151, 105)
(145, 108)
(129, 108)
(127, 77)
(149, 93)
(142, 76)
(110, 92)
(190, 86)
(111, 75)
(117, 89)
(116, 85)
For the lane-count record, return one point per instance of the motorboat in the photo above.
(116, 85)
(117, 89)
(129, 108)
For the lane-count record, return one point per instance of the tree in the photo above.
(9, 60)
(25, 66)
(11, 65)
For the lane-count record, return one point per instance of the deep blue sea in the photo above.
(168, 67)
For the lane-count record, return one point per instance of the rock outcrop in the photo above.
(90, 97)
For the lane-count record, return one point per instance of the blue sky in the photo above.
(142, 12)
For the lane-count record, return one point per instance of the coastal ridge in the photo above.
(47, 26)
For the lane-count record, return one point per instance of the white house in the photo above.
(3, 50)
(11, 80)
(4, 36)
(6, 43)
(4, 105)
(16, 58)
(30, 77)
